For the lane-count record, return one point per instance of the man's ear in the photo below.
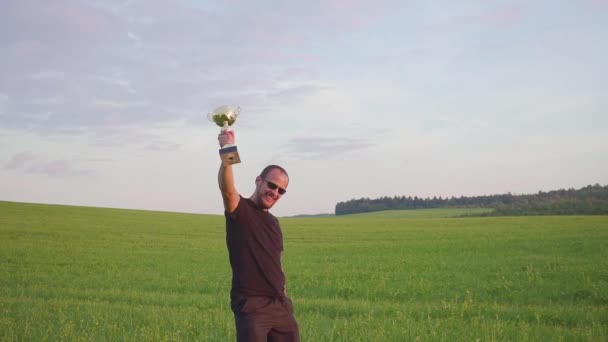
(258, 181)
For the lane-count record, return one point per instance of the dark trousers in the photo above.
(264, 319)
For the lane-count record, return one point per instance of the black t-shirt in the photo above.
(255, 243)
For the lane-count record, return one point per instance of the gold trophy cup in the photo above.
(225, 117)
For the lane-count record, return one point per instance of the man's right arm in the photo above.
(225, 177)
(229, 194)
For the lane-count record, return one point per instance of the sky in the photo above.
(104, 102)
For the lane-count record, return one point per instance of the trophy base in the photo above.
(229, 155)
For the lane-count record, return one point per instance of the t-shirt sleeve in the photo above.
(238, 211)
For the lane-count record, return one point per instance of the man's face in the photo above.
(269, 189)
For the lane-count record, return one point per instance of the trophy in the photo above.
(225, 116)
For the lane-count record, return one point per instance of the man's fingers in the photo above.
(226, 137)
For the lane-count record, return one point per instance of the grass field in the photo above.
(75, 273)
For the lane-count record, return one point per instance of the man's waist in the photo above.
(243, 292)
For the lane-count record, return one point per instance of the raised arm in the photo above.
(225, 177)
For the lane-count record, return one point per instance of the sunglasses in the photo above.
(273, 186)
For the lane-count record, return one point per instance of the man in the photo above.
(262, 310)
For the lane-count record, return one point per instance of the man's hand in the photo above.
(226, 137)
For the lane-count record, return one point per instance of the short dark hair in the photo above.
(269, 168)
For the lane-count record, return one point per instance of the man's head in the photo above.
(270, 185)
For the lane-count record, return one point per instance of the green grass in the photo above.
(76, 273)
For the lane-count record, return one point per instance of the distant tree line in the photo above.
(589, 200)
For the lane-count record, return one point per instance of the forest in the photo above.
(588, 200)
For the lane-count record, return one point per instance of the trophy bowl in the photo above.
(224, 116)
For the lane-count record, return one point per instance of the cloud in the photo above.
(508, 15)
(321, 148)
(84, 67)
(601, 4)
(289, 93)
(74, 67)
(19, 160)
(29, 162)
(3, 102)
(136, 40)
(59, 168)
(162, 146)
(462, 125)
(341, 16)
(47, 34)
(132, 137)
